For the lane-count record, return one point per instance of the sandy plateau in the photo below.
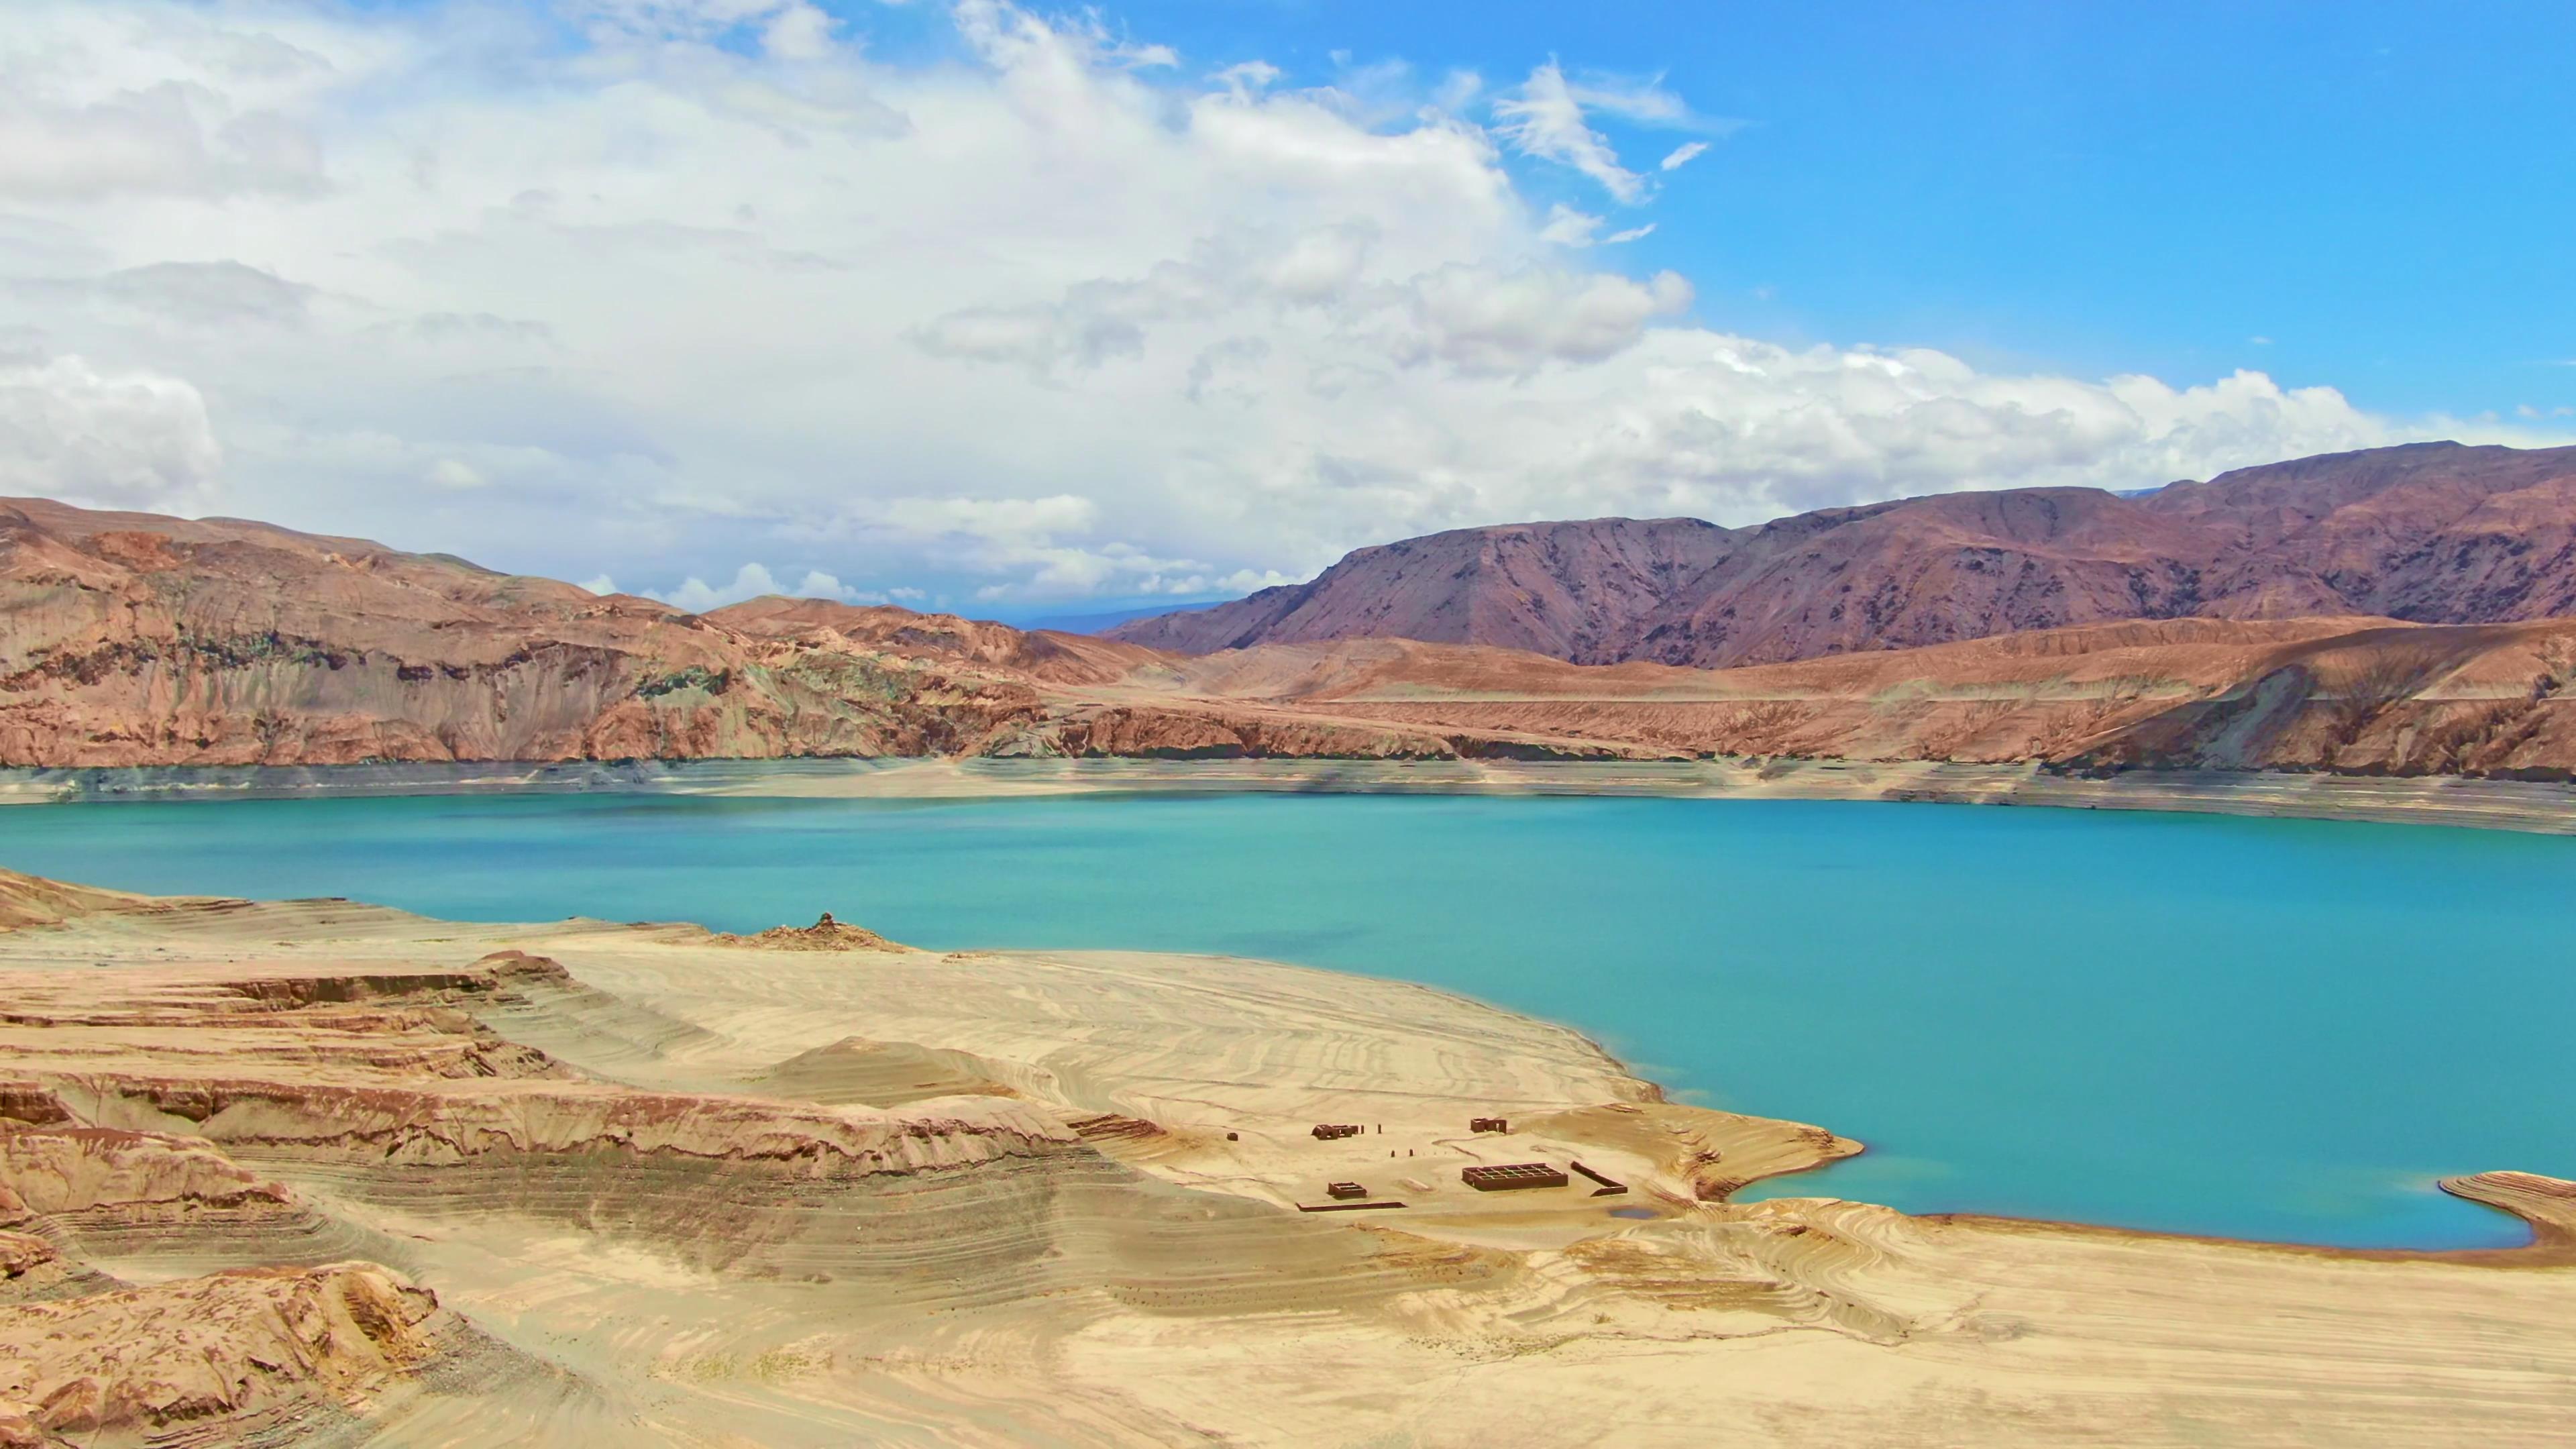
(323, 1173)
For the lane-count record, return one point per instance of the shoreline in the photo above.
(808, 1185)
(2539, 807)
(2546, 1208)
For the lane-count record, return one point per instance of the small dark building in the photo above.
(1513, 1175)
(1488, 1124)
(1344, 1191)
(1327, 1131)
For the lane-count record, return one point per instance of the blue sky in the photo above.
(1016, 308)
(2384, 191)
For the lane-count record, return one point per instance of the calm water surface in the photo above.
(2264, 1029)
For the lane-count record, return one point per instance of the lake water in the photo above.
(2265, 1029)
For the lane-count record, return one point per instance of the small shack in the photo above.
(1488, 1124)
(1344, 1191)
(1509, 1176)
(1327, 1131)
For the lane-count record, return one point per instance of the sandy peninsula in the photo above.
(316, 1172)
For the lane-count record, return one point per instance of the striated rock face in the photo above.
(2357, 696)
(129, 639)
(59, 1170)
(2430, 533)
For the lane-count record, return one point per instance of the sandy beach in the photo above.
(644, 1183)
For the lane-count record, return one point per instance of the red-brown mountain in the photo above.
(2428, 532)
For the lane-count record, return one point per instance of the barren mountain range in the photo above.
(2429, 533)
(2395, 612)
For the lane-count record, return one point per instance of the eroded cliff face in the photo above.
(2352, 696)
(128, 639)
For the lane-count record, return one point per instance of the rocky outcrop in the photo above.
(218, 1359)
(826, 934)
(1042, 655)
(2428, 533)
(54, 1171)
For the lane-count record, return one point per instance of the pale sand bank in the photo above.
(2547, 807)
(678, 1191)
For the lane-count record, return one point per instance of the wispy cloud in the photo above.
(1683, 154)
(1544, 118)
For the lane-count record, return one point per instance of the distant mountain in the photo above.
(2240, 623)
(1572, 590)
(2428, 532)
(1105, 620)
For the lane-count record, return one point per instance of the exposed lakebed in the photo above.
(2267, 1029)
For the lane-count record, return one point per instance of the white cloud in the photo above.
(709, 282)
(1682, 155)
(455, 475)
(117, 439)
(1568, 227)
(751, 581)
(1482, 322)
(1544, 118)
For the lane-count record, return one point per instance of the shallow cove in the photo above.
(2263, 1029)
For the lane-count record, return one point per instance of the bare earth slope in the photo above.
(2430, 533)
(311, 1173)
(2360, 696)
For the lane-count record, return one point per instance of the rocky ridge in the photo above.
(128, 641)
(2427, 533)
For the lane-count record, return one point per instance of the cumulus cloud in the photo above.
(116, 439)
(751, 581)
(704, 281)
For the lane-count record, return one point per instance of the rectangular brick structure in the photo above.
(1512, 1175)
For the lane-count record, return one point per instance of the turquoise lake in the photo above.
(2280, 1030)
